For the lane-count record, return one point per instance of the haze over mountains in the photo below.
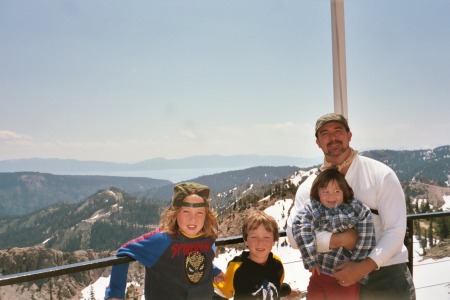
(408, 163)
(174, 170)
(30, 184)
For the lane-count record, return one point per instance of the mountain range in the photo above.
(24, 192)
(90, 216)
(60, 208)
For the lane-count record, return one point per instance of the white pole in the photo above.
(339, 63)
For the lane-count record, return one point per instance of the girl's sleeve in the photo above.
(216, 270)
(147, 249)
(366, 232)
(117, 282)
(304, 233)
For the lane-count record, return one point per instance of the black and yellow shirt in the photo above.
(246, 279)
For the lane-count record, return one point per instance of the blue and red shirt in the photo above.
(176, 266)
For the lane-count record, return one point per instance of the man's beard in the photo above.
(335, 149)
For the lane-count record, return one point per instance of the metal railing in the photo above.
(109, 261)
(410, 225)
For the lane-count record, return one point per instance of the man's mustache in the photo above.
(334, 143)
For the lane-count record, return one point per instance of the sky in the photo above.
(127, 81)
(427, 287)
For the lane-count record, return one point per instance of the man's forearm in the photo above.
(346, 239)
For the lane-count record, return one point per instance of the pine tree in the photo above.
(409, 205)
(50, 289)
(430, 234)
(423, 243)
(92, 294)
(444, 230)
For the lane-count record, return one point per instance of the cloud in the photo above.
(399, 136)
(276, 126)
(10, 137)
(188, 133)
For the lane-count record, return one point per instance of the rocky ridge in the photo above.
(18, 260)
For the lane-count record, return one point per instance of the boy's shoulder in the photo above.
(275, 257)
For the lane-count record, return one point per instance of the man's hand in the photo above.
(350, 272)
(346, 239)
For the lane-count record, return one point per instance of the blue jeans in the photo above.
(390, 282)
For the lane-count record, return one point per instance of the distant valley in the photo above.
(175, 170)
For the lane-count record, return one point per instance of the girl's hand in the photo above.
(315, 270)
(219, 278)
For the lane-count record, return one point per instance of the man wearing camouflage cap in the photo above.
(377, 186)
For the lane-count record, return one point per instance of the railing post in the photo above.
(410, 226)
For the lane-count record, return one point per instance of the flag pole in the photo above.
(339, 62)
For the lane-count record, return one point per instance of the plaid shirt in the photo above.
(316, 217)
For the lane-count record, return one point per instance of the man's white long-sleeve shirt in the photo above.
(377, 186)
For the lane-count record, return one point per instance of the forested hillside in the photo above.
(25, 192)
(103, 221)
(431, 165)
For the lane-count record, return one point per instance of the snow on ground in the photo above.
(446, 205)
(98, 288)
(431, 277)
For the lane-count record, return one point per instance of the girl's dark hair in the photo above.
(325, 177)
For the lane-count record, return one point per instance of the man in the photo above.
(377, 186)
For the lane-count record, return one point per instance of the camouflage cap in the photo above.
(331, 117)
(184, 189)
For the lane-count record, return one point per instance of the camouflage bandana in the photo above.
(331, 117)
(182, 190)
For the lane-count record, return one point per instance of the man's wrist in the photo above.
(336, 241)
(369, 265)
